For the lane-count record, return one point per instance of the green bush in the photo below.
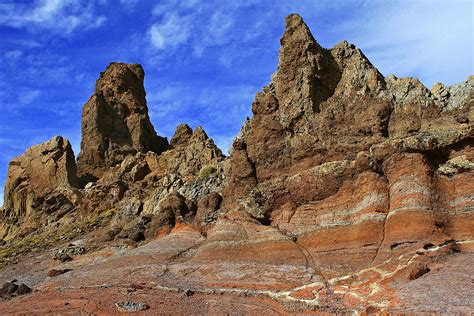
(206, 171)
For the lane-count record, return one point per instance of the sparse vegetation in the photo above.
(42, 240)
(206, 171)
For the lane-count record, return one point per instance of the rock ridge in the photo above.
(346, 191)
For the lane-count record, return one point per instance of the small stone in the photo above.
(418, 271)
(89, 185)
(63, 257)
(8, 289)
(53, 272)
(129, 306)
(23, 289)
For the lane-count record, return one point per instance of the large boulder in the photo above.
(115, 122)
(40, 184)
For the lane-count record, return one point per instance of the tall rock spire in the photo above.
(306, 75)
(321, 105)
(115, 122)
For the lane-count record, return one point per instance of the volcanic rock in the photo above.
(342, 188)
(10, 289)
(356, 167)
(207, 208)
(129, 306)
(418, 271)
(115, 122)
(54, 273)
(40, 183)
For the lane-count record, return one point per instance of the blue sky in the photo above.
(204, 60)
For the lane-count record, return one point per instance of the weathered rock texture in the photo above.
(345, 192)
(40, 186)
(115, 122)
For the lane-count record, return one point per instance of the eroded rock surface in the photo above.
(41, 185)
(115, 122)
(346, 191)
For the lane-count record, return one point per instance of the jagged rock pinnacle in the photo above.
(39, 182)
(115, 122)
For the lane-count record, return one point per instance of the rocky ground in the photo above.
(345, 192)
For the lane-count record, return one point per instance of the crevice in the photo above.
(310, 259)
(397, 244)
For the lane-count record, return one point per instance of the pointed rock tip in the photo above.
(55, 142)
(120, 68)
(199, 131)
(181, 136)
(296, 30)
(293, 20)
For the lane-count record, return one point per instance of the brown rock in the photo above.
(207, 207)
(115, 122)
(181, 136)
(54, 273)
(418, 271)
(342, 184)
(189, 154)
(10, 289)
(322, 105)
(39, 183)
(174, 203)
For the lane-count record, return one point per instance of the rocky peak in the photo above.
(455, 96)
(41, 175)
(305, 75)
(321, 105)
(115, 122)
(181, 136)
(358, 76)
(121, 78)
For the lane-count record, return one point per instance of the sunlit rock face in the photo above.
(346, 191)
(115, 122)
(41, 185)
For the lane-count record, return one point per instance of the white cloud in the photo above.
(165, 6)
(28, 96)
(62, 17)
(13, 55)
(431, 40)
(170, 33)
(196, 25)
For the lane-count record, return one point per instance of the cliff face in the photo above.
(115, 122)
(41, 185)
(346, 191)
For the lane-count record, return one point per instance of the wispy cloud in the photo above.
(61, 17)
(171, 32)
(28, 96)
(198, 26)
(431, 40)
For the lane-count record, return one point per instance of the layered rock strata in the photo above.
(345, 192)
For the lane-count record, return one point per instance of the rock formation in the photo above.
(40, 185)
(345, 192)
(115, 122)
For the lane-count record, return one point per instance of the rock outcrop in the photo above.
(115, 122)
(346, 191)
(41, 184)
